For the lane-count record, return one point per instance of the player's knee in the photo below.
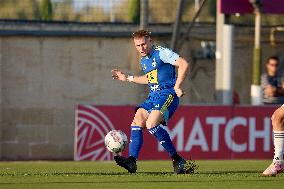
(140, 118)
(274, 119)
(277, 119)
(150, 124)
(138, 122)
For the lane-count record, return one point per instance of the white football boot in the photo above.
(273, 169)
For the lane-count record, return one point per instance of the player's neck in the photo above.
(150, 51)
(271, 74)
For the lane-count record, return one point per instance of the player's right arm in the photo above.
(119, 75)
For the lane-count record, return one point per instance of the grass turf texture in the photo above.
(150, 174)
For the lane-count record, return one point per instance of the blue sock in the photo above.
(164, 138)
(136, 141)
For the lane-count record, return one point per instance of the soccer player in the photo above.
(159, 66)
(277, 165)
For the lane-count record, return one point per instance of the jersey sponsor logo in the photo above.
(154, 88)
(91, 127)
(152, 76)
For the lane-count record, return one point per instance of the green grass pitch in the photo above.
(151, 174)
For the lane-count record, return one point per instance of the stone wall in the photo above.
(44, 78)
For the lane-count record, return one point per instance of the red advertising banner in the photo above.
(198, 132)
(244, 6)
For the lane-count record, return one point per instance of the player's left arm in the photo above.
(168, 56)
(182, 70)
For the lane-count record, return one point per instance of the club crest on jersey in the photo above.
(154, 63)
(144, 67)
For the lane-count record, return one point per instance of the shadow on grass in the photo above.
(230, 172)
(126, 173)
(138, 181)
(204, 177)
(85, 174)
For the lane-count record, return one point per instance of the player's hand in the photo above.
(270, 91)
(179, 92)
(119, 75)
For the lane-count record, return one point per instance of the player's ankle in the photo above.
(277, 161)
(175, 156)
(132, 158)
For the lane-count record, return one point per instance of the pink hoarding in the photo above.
(244, 6)
(198, 132)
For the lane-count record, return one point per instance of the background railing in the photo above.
(123, 11)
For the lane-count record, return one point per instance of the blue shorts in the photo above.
(164, 101)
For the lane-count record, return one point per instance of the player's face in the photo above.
(143, 45)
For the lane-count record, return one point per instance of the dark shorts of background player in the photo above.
(164, 101)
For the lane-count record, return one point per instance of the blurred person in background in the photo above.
(271, 84)
(159, 66)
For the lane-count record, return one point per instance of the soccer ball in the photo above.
(116, 141)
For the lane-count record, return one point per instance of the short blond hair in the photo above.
(141, 33)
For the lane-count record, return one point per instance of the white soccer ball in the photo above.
(116, 141)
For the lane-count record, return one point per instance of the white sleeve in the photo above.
(168, 56)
